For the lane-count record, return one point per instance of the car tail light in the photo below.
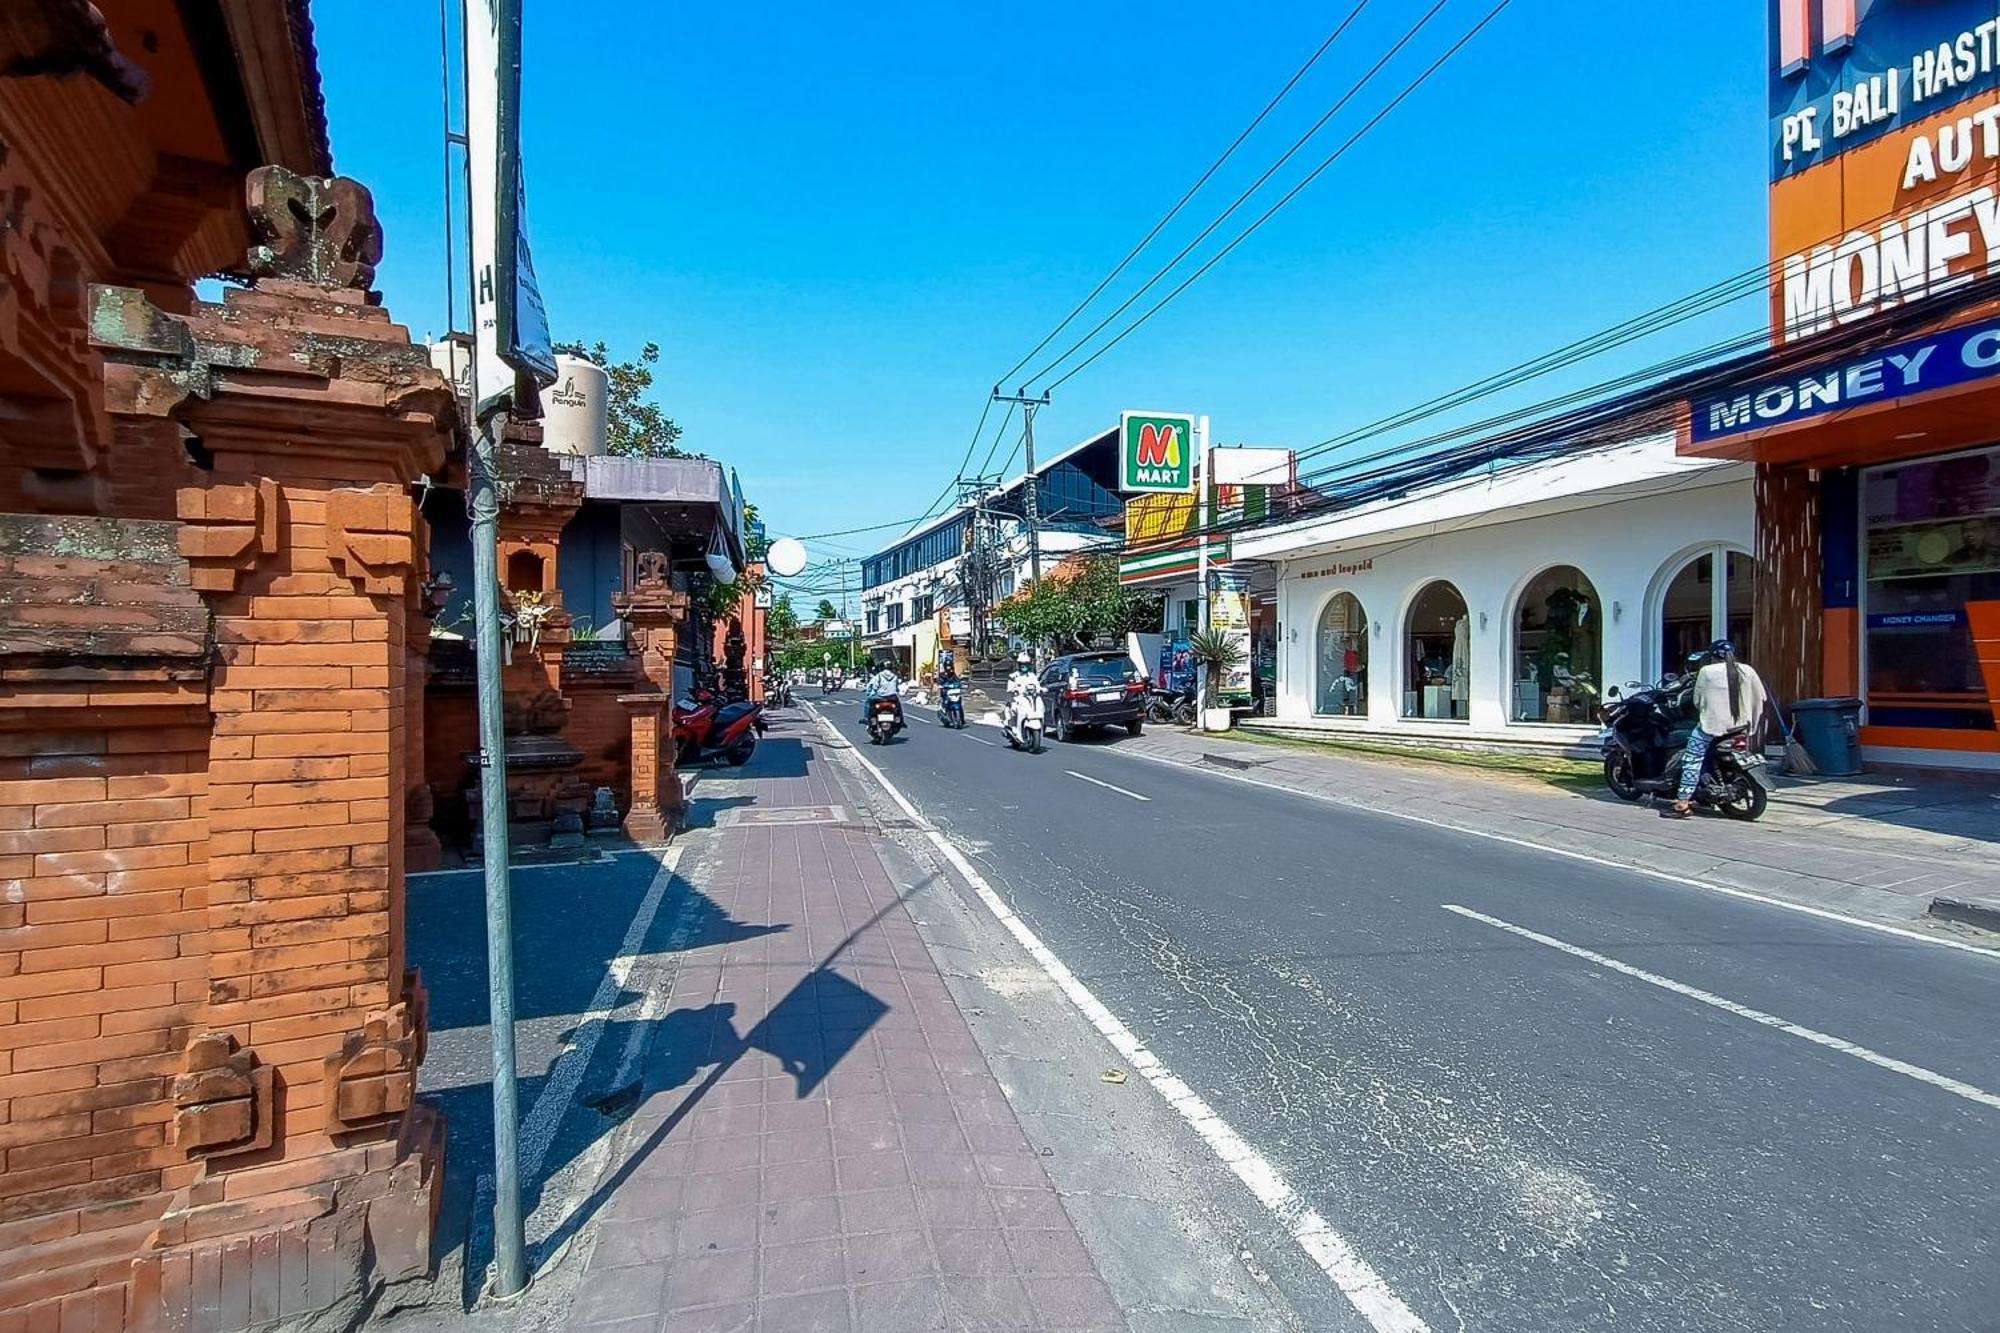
(1076, 694)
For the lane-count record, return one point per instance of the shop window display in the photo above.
(1558, 648)
(1343, 658)
(1696, 610)
(1437, 647)
(1932, 560)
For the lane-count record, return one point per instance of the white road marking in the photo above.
(976, 741)
(538, 1129)
(1361, 1284)
(1841, 1044)
(1106, 785)
(1684, 881)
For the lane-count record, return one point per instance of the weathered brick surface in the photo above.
(207, 745)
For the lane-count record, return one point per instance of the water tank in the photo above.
(573, 408)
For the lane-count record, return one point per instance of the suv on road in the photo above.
(1102, 689)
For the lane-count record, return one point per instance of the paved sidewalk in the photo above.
(821, 1145)
(1865, 846)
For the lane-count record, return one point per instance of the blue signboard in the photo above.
(1894, 63)
(1922, 365)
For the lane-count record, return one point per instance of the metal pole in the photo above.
(1030, 501)
(1201, 548)
(509, 1241)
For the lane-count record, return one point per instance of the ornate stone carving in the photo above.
(374, 1075)
(313, 229)
(371, 537)
(222, 1098)
(227, 530)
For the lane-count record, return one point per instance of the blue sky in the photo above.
(842, 222)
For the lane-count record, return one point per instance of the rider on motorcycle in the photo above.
(1019, 682)
(884, 684)
(1727, 696)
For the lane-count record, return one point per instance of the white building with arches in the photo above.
(1498, 604)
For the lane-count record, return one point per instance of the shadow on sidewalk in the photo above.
(809, 1031)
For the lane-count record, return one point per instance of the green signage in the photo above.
(1156, 451)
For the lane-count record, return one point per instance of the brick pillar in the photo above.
(293, 1111)
(421, 848)
(653, 612)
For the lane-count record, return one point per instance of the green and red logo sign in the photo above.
(1156, 450)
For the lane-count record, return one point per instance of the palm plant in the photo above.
(1216, 652)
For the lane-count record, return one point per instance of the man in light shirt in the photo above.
(1727, 696)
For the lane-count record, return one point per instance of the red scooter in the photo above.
(704, 729)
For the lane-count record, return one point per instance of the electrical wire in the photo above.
(1192, 190)
(1284, 199)
(1241, 198)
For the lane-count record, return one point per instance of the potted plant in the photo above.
(1216, 653)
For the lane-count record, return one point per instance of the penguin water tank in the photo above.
(573, 408)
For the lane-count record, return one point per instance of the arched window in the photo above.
(1342, 646)
(1699, 608)
(1558, 648)
(1437, 652)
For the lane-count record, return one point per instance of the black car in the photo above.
(1093, 690)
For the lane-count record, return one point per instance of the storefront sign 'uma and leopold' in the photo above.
(1156, 450)
(1923, 365)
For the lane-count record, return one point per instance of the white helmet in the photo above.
(1023, 661)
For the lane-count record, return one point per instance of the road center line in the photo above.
(1841, 1044)
(1364, 1288)
(1568, 853)
(1095, 782)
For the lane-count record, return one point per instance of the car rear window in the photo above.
(1106, 670)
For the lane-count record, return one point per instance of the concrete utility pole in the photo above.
(1030, 502)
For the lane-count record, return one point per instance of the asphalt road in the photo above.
(1531, 1092)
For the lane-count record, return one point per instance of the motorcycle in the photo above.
(951, 704)
(1644, 743)
(705, 728)
(1164, 705)
(885, 719)
(1021, 721)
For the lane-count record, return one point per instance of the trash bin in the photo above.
(1830, 730)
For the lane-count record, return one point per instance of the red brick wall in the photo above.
(103, 971)
(601, 727)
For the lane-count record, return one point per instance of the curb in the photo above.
(1985, 916)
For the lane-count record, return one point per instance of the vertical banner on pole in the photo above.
(510, 326)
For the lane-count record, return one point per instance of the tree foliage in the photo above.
(827, 611)
(781, 622)
(634, 427)
(1080, 600)
(1218, 653)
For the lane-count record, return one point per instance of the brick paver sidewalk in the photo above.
(822, 1145)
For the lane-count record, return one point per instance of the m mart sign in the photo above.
(1156, 452)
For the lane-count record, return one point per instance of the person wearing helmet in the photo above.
(884, 684)
(1022, 677)
(1727, 696)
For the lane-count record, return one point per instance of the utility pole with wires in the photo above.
(1030, 502)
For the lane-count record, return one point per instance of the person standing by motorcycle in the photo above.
(1727, 696)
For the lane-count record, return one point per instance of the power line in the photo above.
(1241, 198)
(1192, 190)
(1288, 196)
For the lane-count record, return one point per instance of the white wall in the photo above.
(1628, 549)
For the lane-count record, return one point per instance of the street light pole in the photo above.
(1030, 501)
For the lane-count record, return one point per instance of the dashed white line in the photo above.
(1095, 782)
(1569, 853)
(1841, 1044)
(1361, 1284)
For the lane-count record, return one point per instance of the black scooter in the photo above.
(951, 704)
(1645, 744)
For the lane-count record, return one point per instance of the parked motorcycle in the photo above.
(1645, 740)
(705, 728)
(951, 704)
(885, 719)
(1021, 721)
(1165, 705)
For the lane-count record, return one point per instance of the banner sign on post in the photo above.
(1156, 452)
(1229, 615)
(510, 326)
